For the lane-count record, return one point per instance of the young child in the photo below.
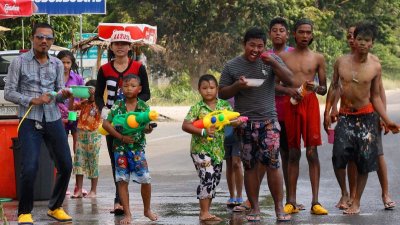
(234, 170)
(86, 159)
(207, 155)
(129, 154)
(71, 77)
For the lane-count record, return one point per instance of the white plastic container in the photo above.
(254, 82)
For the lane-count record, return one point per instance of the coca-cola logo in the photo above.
(8, 8)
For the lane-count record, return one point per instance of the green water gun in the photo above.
(131, 122)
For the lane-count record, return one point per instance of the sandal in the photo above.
(290, 208)
(231, 202)
(118, 210)
(317, 209)
(245, 206)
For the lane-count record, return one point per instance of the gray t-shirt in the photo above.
(257, 103)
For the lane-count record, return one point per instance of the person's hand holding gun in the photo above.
(126, 139)
(210, 131)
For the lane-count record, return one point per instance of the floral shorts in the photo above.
(259, 142)
(131, 165)
(209, 174)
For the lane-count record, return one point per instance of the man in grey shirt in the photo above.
(31, 79)
(260, 135)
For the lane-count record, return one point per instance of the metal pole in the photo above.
(80, 39)
(23, 35)
(48, 18)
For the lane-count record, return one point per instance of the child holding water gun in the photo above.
(86, 158)
(207, 155)
(129, 152)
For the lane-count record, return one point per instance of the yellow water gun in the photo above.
(219, 119)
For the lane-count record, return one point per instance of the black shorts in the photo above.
(356, 138)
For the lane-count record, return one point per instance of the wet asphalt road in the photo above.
(175, 181)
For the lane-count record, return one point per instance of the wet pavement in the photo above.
(174, 182)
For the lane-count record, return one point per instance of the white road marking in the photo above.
(168, 137)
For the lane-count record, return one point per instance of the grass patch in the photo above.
(180, 93)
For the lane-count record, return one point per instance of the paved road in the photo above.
(174, 183)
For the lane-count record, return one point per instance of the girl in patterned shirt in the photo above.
(86, 158)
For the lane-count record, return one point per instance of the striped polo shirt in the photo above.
(257, 103)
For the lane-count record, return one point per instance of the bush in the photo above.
(178, 92)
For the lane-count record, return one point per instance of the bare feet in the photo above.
(91, 194)
(126, 220)
(354, 209)
(343, 203)
(350, 201)
(77, 194)
(300, 206)
(209, 217)
(152, 216)
(388, 203)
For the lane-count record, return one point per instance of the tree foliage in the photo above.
(201, 35)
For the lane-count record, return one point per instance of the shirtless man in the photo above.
(357, 77)
(279, 34)
(346, 199)
(302, 119)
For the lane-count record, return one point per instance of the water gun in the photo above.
(219, 119)
(77, 91)
(131, 122)
(303, 92)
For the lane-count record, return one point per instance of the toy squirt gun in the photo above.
(131, 122)
(219, 119)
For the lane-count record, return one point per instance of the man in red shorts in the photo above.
(302, 113)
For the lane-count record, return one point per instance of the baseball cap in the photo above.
(121, 36)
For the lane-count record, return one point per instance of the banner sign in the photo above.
(141, 33)
(15, 8)
(70, 7)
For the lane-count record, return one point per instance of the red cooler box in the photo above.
(8, 130)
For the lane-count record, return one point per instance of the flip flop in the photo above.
(231, 202)
(239, 201)
(241, 208)
(75, 196)
(283, 217)
(389, 205)
(255, 217)
(118, 211)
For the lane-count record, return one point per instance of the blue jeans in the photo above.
(31, 135)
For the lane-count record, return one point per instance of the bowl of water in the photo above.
(80, 91)
(254, 82)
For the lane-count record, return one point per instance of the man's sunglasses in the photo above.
(47, 37)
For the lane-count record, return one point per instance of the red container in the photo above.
(8, 130)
